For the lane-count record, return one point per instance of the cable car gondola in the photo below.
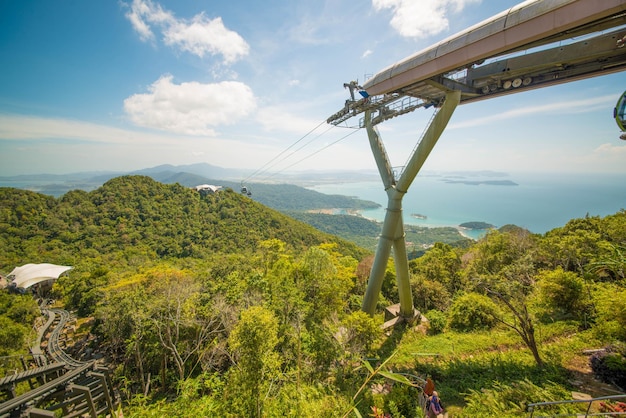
(619, 115)
(245, 190)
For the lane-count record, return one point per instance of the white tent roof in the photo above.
(30, 274)
(210, 187)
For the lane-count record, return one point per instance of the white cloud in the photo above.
(278, 119)
(611, 150)
(142, 13)
(198, 36)
(19, 127)
(203, 35)
(135, 15)
(367, 53)
(419, 19)
(190, 108)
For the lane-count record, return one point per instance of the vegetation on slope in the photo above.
(230, 309)
(297, 202)
(151, 218)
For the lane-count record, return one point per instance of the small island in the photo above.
(476, 225)
(486, 182)
(418, 216)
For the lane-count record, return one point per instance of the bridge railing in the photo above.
(85, 390)
(43, 390)
(533, 407)
(72, 387)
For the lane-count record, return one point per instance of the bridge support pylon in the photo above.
(392, 234)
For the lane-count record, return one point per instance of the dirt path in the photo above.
(584, 380)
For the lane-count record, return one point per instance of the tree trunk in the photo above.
(532, 344)
(526, 330)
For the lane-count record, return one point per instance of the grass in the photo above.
(460, 363)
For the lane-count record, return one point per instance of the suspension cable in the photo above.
(314, 153)
(296, 150)
(263, 168)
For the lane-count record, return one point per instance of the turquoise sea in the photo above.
(537, 202)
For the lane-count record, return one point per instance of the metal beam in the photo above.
(393, 226)
(535, 44)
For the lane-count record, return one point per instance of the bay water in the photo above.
(537, 202)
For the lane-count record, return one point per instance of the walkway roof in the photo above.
(31, 274)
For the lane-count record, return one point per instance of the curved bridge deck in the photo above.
(58, 382)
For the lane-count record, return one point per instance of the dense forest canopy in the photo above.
(150, 217)
(298, 202)
(235, 309)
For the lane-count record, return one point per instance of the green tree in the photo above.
(83, 293)
(271, 250)
(183, 324)
(471, 312)
(610, 303)
(610, 265)
(12, 336)
(502, 265)
(325, 287)
(440, 264)
(360, 331)
(562, 293)
(576, 245)
(21, 309)
(286, 298)
(124, 322)
(256, 366)
(428, 294)
(17, 314)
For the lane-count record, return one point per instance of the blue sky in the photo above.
(124, 85)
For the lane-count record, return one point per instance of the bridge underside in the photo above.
(518, 71)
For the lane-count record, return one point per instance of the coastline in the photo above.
(463, 231)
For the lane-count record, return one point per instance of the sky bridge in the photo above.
(535, 44)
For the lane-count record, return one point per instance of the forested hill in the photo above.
(278, 196)
(219, 306)
(135, 214)
(291, 197)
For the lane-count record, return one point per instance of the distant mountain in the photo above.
(200, 169)
(486, 182)
(187, 175)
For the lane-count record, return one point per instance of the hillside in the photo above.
(151, 217)
(365, 232)
(294, 200)
(218, 306)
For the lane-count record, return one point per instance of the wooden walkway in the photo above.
(58, 383)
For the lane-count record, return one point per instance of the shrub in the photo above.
(512, 400)
(12, 336)
(610, 304)
(562, 292)
(610, 366)
(436, 321)
(402, 401)
(472, 311)
(428, 294)
(361, 330)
